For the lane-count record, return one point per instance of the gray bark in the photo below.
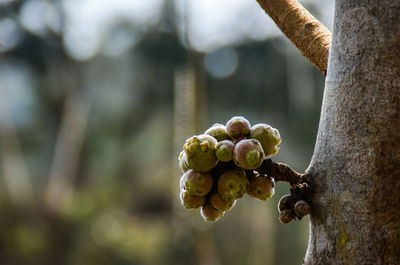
(355, 169)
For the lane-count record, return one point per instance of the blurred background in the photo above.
(97, 98)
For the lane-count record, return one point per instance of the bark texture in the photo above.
(310, 36)
(355, 169)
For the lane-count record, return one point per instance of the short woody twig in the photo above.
(279, 171)
(294, 205)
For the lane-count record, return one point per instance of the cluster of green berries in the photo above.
(220, 166)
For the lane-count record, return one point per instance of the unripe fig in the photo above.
(262, 187)
(286, 216)
(182, 162)
(301, 208)
(210, 214)
(196, 183)
(286, 202)
(200, 152)
(218, 131)
(224, 150)
(220, 203)
(233, 184)
(191, 201)
(248, 154)
(238, 128)
(304, 188)
(268, 137)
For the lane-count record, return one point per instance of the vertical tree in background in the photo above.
(355, 169)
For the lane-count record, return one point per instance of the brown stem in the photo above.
(309, 35)
(295, 205)
(279, 171)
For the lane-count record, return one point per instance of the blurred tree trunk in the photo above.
(355, 170)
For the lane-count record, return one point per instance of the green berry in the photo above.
(238, 128)
(248, 154)
(262, 187)
(224, 150)
(182, 162)
(210, 214)
(220, 203)
(200, 152)
(196, 183)
(190, 201)
(218, 131)
(233, 184)
(268, 137)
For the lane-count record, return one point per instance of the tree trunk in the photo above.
(355, 169)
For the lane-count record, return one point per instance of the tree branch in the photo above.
(309, 35)
(279, 171)
(67, 151)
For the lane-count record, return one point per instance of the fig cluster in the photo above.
(291, 206)
(220, 166)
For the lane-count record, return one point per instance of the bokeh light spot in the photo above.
(221, 63)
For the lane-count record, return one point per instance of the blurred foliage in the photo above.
(88, 158)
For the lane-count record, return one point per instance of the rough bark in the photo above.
(309, 35)
(355, 169)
